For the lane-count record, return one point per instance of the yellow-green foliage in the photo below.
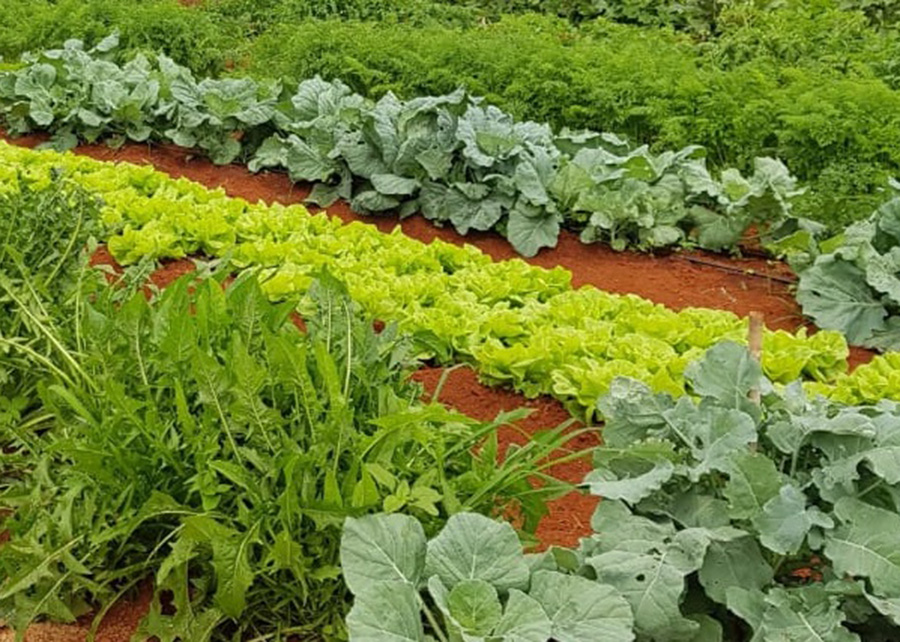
(518, 324)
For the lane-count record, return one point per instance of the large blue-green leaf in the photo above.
(474, 547)
(835, 295)
(382, 548)
(866, 545)
(528, 234)
(387, 612)
(581, 610)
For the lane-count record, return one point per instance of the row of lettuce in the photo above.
(769, 83)
(473, 167)
(452, 158)
(518, 324)
(276, 483)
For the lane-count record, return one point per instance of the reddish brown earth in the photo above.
(569, 517)
(678, 280)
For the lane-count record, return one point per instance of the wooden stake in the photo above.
(755, 343)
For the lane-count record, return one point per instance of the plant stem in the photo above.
(432, 621)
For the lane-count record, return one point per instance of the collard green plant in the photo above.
(452, 158)
(721, 519)
(470, 582)
(851, 282)
(721, 515)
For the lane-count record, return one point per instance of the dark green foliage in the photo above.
(883, 14)
(198, 40)
(201, 440)
(255, 16)
(462, 163)
(810, 82)
(822, 119)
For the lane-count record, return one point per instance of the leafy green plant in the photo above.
(729, 505)
(259, 15)
(850, 282)
(202, 41)
(771, 84)
(789, 80)
(209, 445)
(43, 233)
(470, 582)
(449, 157)
(867, 384)
(884, 14)
(721, 519)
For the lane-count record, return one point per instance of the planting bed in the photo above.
(677, 280)
(266, 421)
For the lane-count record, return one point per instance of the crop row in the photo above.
(767, 84)
(518, 324)
(450, 157)
(260, 475)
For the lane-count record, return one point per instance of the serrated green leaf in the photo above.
(231, 560)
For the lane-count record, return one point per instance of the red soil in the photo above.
(570, 516)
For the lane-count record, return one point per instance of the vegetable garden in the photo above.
(449, 320)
